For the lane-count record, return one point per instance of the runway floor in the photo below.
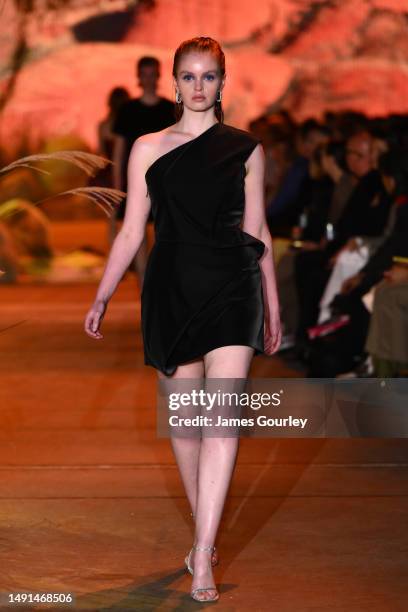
(92, 503)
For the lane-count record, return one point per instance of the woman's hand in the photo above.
(353, 245)
(94, 319)
(272, 335)
(351, 283)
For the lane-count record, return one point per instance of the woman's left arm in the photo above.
(254, 223)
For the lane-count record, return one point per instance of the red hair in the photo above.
(201, 44)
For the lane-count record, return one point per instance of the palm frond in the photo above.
(25, 166)
(105, 197)
(88, 162)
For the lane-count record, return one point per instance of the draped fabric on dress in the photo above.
(202, 287)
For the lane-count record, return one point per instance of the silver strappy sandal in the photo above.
(198, 590)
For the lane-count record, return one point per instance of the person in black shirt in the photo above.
(284, 209)
(148, 113)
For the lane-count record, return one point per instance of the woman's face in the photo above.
(198, 80)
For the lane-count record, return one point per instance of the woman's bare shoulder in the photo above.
(153, 145)
(146, 147)
(157, 138)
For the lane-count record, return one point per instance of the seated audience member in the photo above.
(282, 212)
(330, 187)
(365, 214)
(345, 348)
(387, 340)
(393, 167)
(353, 255)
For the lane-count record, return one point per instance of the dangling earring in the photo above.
(219, 96)
(178, 97)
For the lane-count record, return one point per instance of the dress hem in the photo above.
(173, 368)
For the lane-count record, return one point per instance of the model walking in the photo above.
(209, 299)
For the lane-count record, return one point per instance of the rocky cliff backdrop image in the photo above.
(60, 59)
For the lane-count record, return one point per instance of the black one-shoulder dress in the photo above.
(202, 287)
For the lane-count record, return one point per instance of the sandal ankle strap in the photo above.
(207, 548)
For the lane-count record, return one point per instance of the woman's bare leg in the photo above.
(187, 450)
(216, 464)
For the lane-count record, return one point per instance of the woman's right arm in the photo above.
(128, 239)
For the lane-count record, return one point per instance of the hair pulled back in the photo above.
(200, 44)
